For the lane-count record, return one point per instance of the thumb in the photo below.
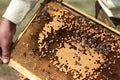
(5, 54)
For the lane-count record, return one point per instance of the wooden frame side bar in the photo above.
(23, 70)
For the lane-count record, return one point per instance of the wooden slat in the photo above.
(23, 70)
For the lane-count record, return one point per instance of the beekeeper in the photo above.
(18, 9)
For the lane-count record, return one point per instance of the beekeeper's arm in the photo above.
(18, 9)
(14, 14)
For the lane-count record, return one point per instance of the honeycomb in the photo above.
(60, 45)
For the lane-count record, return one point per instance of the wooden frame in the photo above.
(26, 72)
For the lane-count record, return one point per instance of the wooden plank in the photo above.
(23, 70)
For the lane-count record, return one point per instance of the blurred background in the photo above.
(87, 6)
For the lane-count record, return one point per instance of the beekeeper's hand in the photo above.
(7, 31)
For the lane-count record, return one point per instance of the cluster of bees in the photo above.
(65, 33)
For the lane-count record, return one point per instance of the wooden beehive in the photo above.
(32, 53)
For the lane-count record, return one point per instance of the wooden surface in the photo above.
(23, 70)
